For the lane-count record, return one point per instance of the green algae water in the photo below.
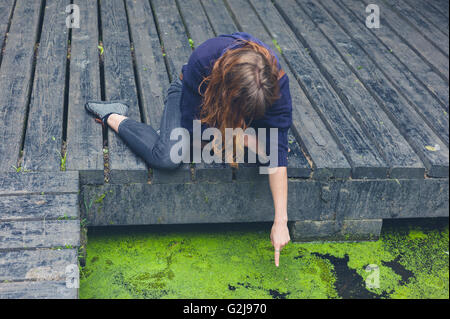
(236, 261)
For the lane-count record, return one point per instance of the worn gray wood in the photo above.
(400, 157)
(39, 234)
(430, 14)
(150, 66)
(414, 39)
(432, 34)
(178, 50)
(173, 35)
(220, 22)
(199, 30)
(243, 13)
(145, 204)
(327, 159)
(39, 264)
(120, 84)
(84, 135)
(410, 59)
(38, 210)
(218, 16)
(15, 80)
(43, 140)
(37, 290)
(197, 24)
(360, 152)
(440, 5)
(38, 183)
(401, 78)
(298, 164)
(153, 78)
(50, 206)
(399, 110)
(6, 10)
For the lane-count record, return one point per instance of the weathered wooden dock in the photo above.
(369, 141)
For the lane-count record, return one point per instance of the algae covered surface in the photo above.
(410, 260)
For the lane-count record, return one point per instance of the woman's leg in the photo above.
(143, 140)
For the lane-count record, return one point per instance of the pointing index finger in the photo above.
(277, 257)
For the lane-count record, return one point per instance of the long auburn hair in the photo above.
(242, 85)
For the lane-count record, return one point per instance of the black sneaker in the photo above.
(103, 108)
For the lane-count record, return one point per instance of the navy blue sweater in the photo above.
(200, 64)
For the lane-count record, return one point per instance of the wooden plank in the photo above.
(218, 16)
(440, 5)
(43, 140)
(406, 84)
(37, 290)
(173, 35)
(40, 264)
(401, 113)
(432, 34)
(415, 40)
(120, 84)
(328, 160)
(39, 234)
(199, 30)
(47, 207)
(84, 136)
(196, 21)
(360, 152)
(15, 80)
(298, 165)
(175, 46)
(240, 10)
(251, 201)
(408, 57)
(150, 66)
(220, 23)
(38, 183)
(430, 14)
(6, 11)
(153, 78)
(399, 156)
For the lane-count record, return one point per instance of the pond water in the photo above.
(236, 261)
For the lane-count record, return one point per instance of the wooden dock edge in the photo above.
(352, 209)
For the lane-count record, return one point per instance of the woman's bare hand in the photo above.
(279, 237)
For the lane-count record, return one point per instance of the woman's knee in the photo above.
(162, 158)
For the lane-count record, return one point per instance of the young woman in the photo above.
(231, 81)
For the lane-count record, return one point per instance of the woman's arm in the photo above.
(279, 235)
(280, 232)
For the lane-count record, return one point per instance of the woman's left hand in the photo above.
(279, 237)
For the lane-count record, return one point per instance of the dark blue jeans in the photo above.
(145, 142)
